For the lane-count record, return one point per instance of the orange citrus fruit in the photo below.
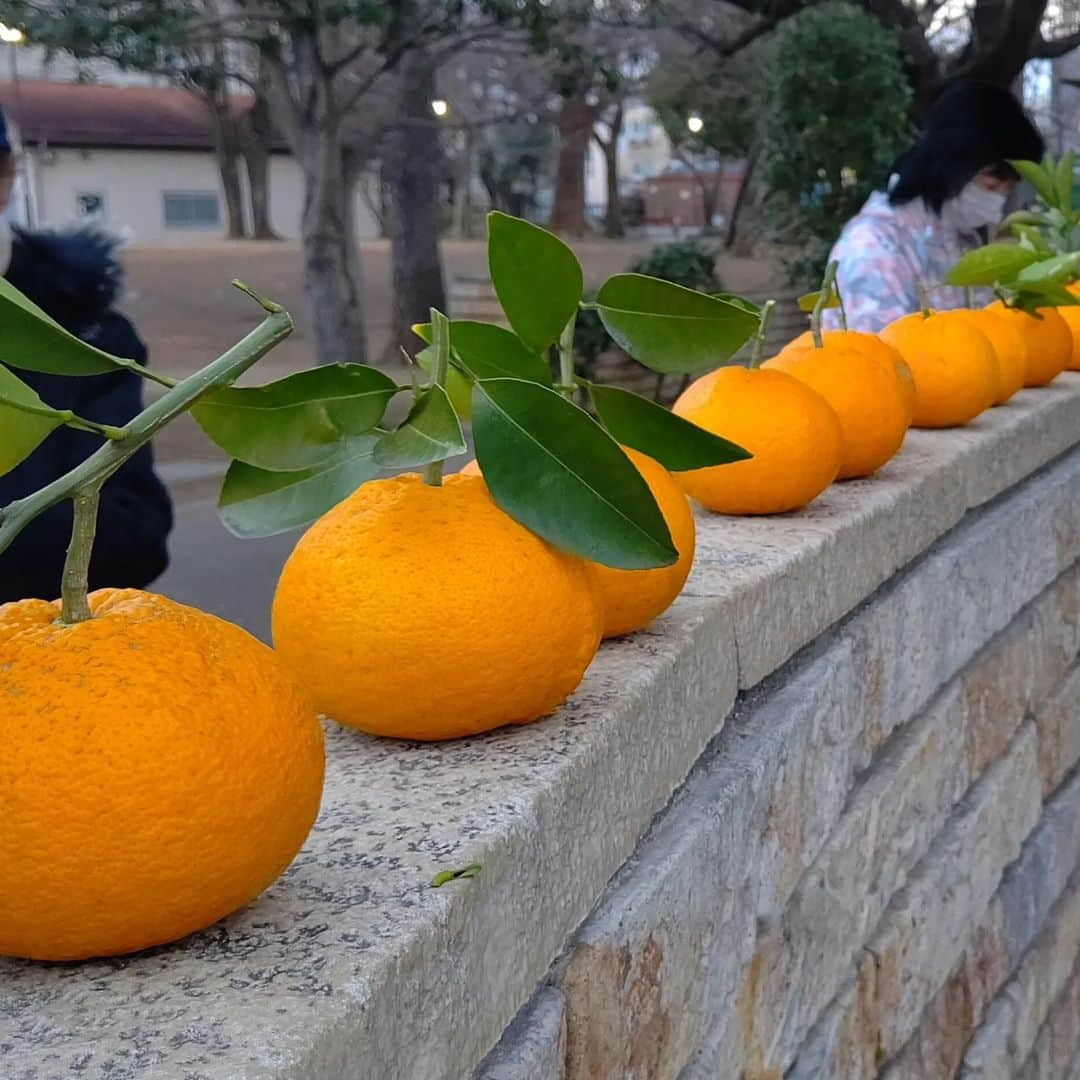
(1009, 347)
(861, 384)
(792, 432)
(955, 367)
(424, 612)
(1071, 315)
(1047, 339)
(630, 599)
(872, 344)
(160, 769)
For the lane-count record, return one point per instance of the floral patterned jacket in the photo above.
(885, 252)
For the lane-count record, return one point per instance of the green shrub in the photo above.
(834, 103)
(686, 262)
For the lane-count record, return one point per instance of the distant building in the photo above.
(674, 200)
(136, 159)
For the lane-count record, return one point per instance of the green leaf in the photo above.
(444, 876)
(1032, 239)
(1024, 217)
(646, 426)
(487, 351)
(296, 422)
(1039, 178)
(537, 279)
(22, 431)
(1063, 180)
(551, 467)
(990, 264)
(1053, 271)
(670, 328)
(35, 342)
(808, 301)
(458, 387)
(431, 432)
(258, 502)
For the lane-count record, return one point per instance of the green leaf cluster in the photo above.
(1050, 227)
(302, 443)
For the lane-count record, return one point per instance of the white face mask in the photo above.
(973, 208)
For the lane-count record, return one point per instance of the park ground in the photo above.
(187, 313)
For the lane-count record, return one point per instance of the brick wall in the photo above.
(872, 871)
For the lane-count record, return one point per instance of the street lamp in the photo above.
(439, 107)
(695, 124)
(11, 35)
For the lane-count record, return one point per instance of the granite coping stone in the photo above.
(351, 965)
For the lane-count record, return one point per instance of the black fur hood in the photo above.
(74, 275)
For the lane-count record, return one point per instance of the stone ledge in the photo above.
(352, 958)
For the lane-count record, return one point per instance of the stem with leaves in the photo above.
(757, 354)
(440, 344)
(83, 483)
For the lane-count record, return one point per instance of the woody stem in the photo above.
(75, 583)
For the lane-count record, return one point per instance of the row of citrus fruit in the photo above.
(145, 802)
(424, 640)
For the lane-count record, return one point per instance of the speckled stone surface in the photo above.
(351, 966)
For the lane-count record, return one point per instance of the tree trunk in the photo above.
(575, 130)
(462, 226)
(227, 150)
(331, 255)
(741, 198)
(710, 194)
(258, 140)
(411, 168)
(613, 217)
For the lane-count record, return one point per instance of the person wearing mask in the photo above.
(946, 195)
(75, 278)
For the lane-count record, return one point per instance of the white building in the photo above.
(644, 150)
(137, 159)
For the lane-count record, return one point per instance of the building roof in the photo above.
(97, 116)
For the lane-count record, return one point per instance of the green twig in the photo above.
(827, 283)
(66, 416)
(75, 581)
(440, 344)
(105, 461)
(757, 355)
(566, 386)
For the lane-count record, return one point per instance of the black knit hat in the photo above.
(971, 126)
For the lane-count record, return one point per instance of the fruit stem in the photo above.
(97, 468)
(924, 299)
(758, 352)
(969, 299)
(827, 283)
(440, 343)
(75, 582)
(567, 386)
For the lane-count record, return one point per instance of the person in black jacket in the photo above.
(75, 278)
